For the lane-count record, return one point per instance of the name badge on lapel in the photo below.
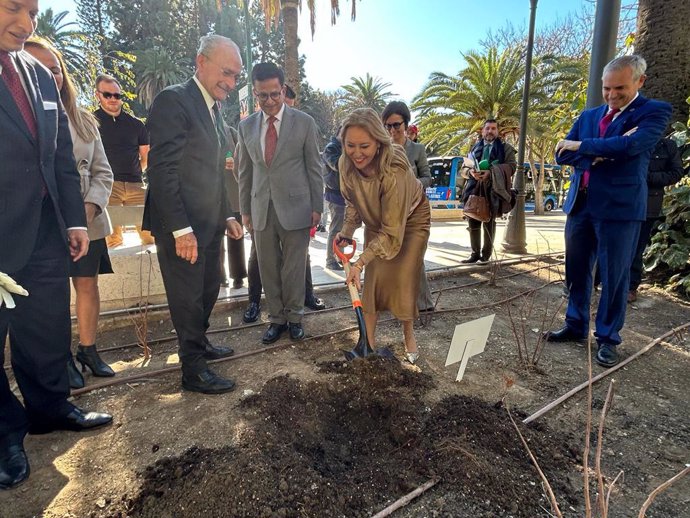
(49, 105)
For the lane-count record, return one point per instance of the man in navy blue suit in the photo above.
(42, 224)
(609, 147)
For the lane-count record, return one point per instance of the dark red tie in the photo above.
(606, 121)
(271, 141)
(14, 85)
(604, 124)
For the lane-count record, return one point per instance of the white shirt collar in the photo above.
(279, 115)
(210, 101)
(623, 108)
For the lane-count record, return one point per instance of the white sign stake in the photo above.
(468, 339)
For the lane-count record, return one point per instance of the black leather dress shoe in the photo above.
(251, 314)
(296, 331)
(14, 466)
(237, 284)
(207, 382)
(564, 334)
(77, 420)
(471, 259)
(214, 352)
(315, 303)
(273, 333)
(607, 356)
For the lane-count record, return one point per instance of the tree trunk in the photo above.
(291, 66)
(663, 40)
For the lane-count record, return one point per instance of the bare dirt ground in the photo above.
(307, 434)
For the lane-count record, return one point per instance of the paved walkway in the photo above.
(448, 244)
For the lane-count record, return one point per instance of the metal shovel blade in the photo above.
(363, 349)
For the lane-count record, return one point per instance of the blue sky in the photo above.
(401, 42)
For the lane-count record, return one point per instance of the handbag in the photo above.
(477, 206)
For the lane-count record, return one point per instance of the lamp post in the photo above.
(515, 238)
(248, 54)
(603, 47)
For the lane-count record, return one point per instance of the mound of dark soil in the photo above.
(349, 445)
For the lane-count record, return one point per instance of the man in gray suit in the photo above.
(280, 196)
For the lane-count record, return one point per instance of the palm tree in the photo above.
(80, 54)
(50, 26)
(453, 108)
(663, 40)
(156, 69)
(366, 92)
(272, 10)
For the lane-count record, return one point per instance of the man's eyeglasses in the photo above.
(263, 97)
(395, 125)
(110, 95)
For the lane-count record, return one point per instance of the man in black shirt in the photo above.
(126, 144)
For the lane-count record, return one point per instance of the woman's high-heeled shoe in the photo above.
(88, 356)
(76, 380)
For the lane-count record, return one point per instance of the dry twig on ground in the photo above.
(662, 487)
(406, 499)
(602, 502)
(140, 315)
(552, 497)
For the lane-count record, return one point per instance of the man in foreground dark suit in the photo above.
(187, 206)
(42, 224)
(610, 147)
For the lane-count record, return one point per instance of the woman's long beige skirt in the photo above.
(393, 285)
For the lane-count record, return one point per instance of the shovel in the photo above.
(362, 349)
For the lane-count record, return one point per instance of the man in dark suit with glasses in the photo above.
(187, 207)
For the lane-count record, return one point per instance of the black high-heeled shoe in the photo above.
(88, 356)
(76, 380)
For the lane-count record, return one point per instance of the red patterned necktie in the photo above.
(604, 124)
(271, 141)
(14, 85)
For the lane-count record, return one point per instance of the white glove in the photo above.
(7, 287)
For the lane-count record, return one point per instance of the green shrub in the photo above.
(667, 258)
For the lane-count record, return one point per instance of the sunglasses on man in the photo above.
(395, 125)
(110, 95)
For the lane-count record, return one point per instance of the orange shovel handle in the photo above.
(345, 259)
(341, 253)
